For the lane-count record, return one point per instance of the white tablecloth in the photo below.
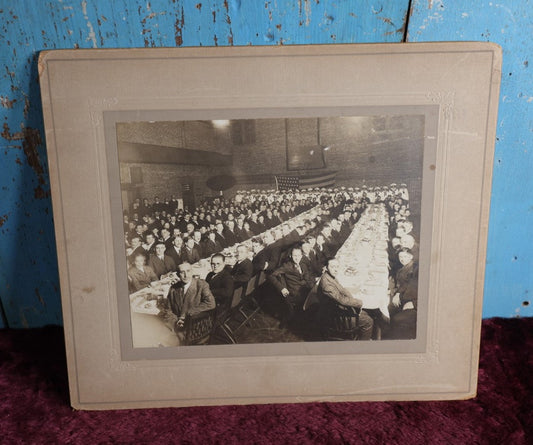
(363, 258)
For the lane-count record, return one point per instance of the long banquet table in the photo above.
(363, 258)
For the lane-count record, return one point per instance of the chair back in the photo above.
(339, 323)
(250, 287)
(198, 327)
(262, 278)
(237, 296)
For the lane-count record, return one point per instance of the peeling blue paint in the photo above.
(509, 270)
(27, 245)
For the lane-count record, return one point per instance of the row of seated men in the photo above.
(267, 250)
(242, 217)
(253, 214)
(293, 278)
(162, 256)
(403, 252)
(201, 241)
(292, 262)
(288, 200)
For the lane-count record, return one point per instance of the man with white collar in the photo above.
(189, 296)
(161, 264)
(293, 281)
(243, 269)
(335, 298)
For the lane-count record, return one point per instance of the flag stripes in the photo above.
(286, 182)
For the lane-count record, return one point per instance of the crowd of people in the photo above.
(291, 236)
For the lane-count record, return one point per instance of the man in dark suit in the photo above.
(321, 251)
(252, 222)
(336, 236)
(211, 245)
(176, 251)
(273, 250)
(404, 304)
(229, 233)
(221, 239)
(165, 237)
(243, 269)
(161, 264)
(197, 236)
(294, 282)
(239, 231)
(190, 253)
(310, 259)
(344, 229)
(149, 246)
(261, 260)
(270, 222)
(329, 246)
(189, 296)
(260, 225)
(220, 280)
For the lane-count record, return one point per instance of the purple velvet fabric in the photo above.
(34, 406)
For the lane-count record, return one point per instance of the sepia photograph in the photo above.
(272, 230)
(285, 232)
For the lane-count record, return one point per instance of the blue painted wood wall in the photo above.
(29, 290)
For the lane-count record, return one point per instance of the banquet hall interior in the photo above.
(343, 193)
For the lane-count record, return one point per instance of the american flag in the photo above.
(324, 179)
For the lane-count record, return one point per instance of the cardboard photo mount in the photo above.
(84, 94)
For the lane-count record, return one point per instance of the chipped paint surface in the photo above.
(28, 271)
(509, 270)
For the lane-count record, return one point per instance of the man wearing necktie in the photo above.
(335, 300)
(189, 296)
(293, 281)
(176, 251)
(161, 264)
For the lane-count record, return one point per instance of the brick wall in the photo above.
(372, 150)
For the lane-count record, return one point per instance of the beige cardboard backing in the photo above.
(84, 92)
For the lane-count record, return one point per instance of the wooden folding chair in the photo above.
(198, 327)
(339, 323)
(227, 315)
(250, 300)
(262, 278)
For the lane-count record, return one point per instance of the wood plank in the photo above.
(508, 275)
(28, 268)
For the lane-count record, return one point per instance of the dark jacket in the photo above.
(211, 247)
(230, 236)
(177, 258)
(298, 284)
(242, 272)
(191, 256)
(221, 285)
(162, 267)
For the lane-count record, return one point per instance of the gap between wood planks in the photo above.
(406, 23)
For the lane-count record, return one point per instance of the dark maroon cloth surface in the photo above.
(34, 405)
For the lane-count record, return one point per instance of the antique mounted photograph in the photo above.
(239, 225)
(272, 230)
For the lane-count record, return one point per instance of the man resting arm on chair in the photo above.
(188, 296)
(331, 291)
